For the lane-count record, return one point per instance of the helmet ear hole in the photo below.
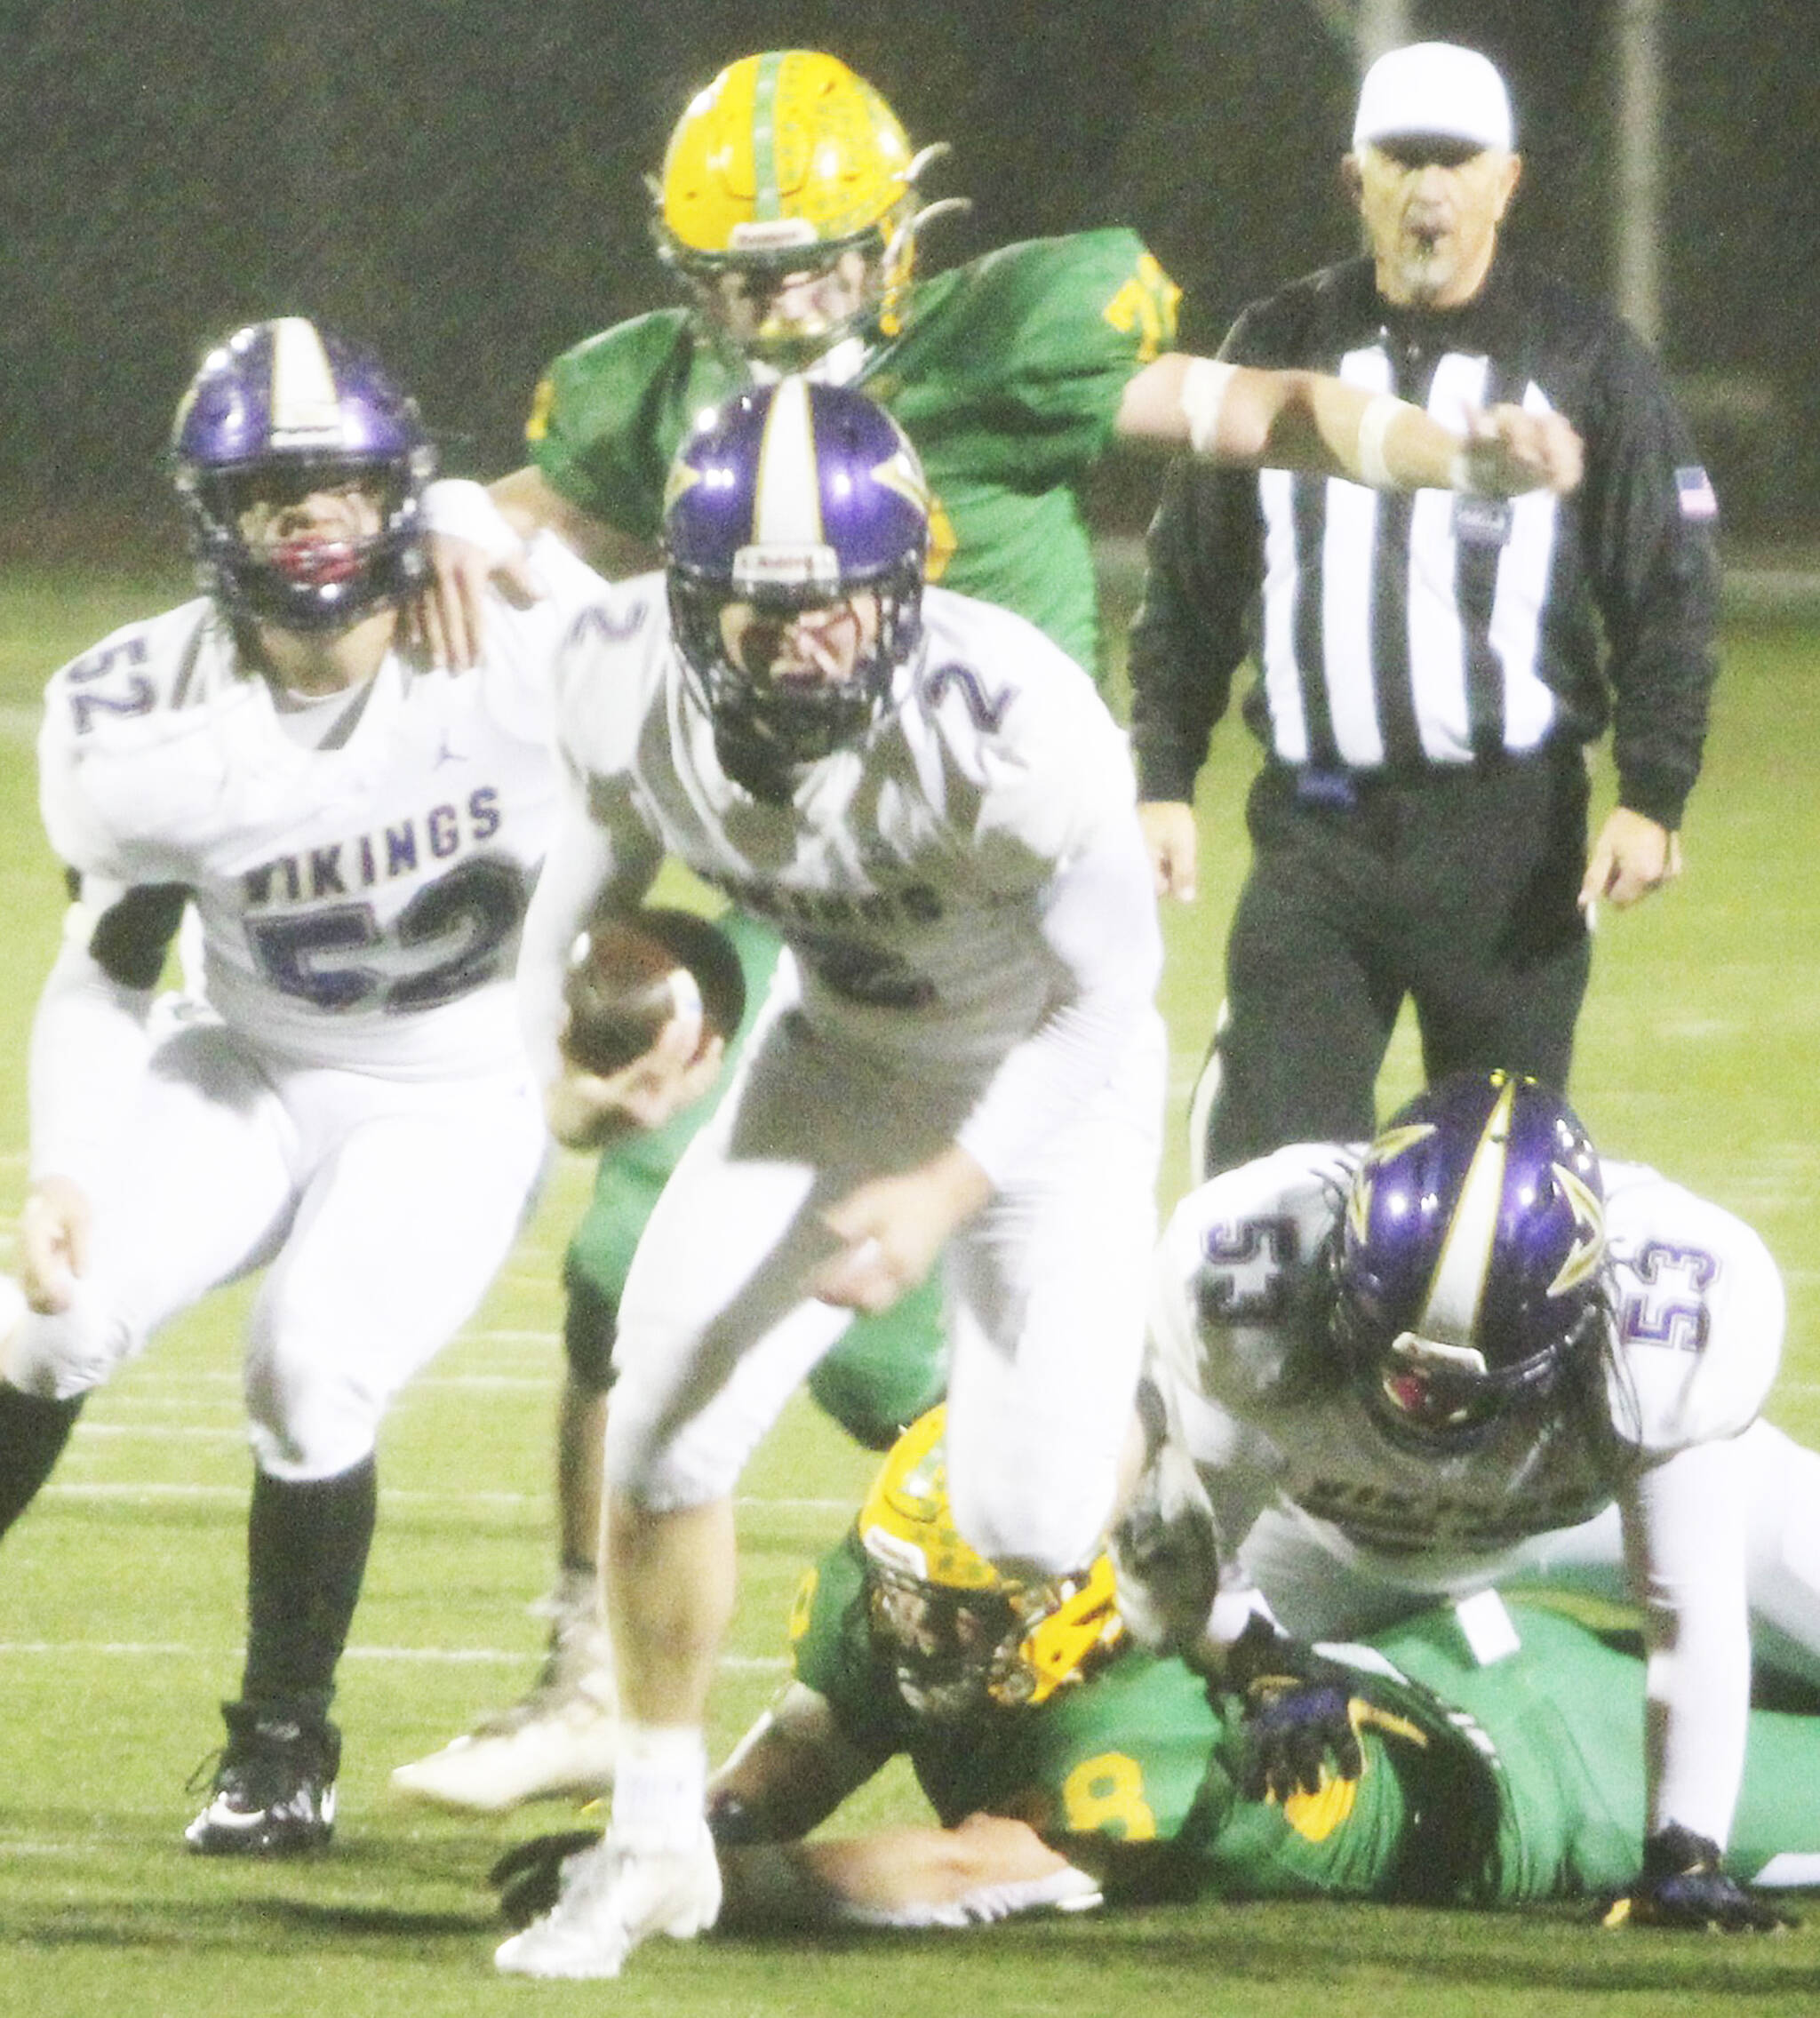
(1467, 1269)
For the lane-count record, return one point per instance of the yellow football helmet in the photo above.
(962, 1637)
(782, 164)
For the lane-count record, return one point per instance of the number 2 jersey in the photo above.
(964, 889)
(361, 905)
(1238, 1320)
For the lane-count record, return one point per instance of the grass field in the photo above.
(120, 1617)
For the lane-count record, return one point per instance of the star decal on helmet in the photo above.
(1588, 1250)
(1388, 1146)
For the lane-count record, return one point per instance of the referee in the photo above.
(1429, 666)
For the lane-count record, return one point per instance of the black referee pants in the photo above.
(1457, 888)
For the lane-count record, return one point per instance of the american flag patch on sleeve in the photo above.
(1694, 488)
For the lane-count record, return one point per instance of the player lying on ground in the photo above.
(1066, 1765)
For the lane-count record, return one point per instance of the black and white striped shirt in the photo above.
(1395, 631)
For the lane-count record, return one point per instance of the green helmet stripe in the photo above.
(767, 202)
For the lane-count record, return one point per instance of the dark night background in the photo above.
(461, 185)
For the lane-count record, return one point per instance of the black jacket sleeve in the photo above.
(1651, 559)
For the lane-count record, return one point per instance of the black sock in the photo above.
(33, 1432)
(306, 1546)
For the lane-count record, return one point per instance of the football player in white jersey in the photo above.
(358, 833)
(1474, 1352)
(962, 1056)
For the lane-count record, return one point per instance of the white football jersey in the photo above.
(909, 874)
(361, 905)
(1238, 1319)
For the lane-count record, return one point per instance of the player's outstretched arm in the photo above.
(1305, 421)
(530, 504)
(987, 1868)
(789, 1773)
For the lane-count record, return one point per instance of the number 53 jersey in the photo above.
(1239, 1318)
(360, 902)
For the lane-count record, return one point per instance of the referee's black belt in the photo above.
(1347, 791)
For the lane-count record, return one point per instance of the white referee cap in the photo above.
(1435, 88)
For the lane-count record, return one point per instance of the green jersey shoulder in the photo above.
(1006, 372)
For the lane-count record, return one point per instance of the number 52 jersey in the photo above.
(361, 904)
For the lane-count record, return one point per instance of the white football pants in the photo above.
(380, 1210)
(1045, 1292)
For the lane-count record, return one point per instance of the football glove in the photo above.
(1297, 1713)
(528, 1876)
(1681, 1886)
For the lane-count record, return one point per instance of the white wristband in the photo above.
(1377, 418)
(1204, 385)
(459, 509)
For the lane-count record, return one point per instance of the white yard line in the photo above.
(437, 1656)
(401, 1495)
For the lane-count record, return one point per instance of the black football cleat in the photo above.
(273, 1791)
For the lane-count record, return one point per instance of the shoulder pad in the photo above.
(1699, 1308)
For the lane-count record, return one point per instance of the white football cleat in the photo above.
(530, 1753)
(559, 1741)
(614, 1898)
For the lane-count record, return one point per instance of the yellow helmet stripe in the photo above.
(1457, 1289)
(768, 198)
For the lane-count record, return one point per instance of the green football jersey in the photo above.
(1136, 1755)
(1006, 373)
(1499, 1784)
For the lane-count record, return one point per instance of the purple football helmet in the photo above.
(280, 411)
(1468, 1265)
(793, 497)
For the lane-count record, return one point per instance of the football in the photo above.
(630, 972)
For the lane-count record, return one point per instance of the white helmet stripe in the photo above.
(1457, 1289)
(786, 497)
(304, 404)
